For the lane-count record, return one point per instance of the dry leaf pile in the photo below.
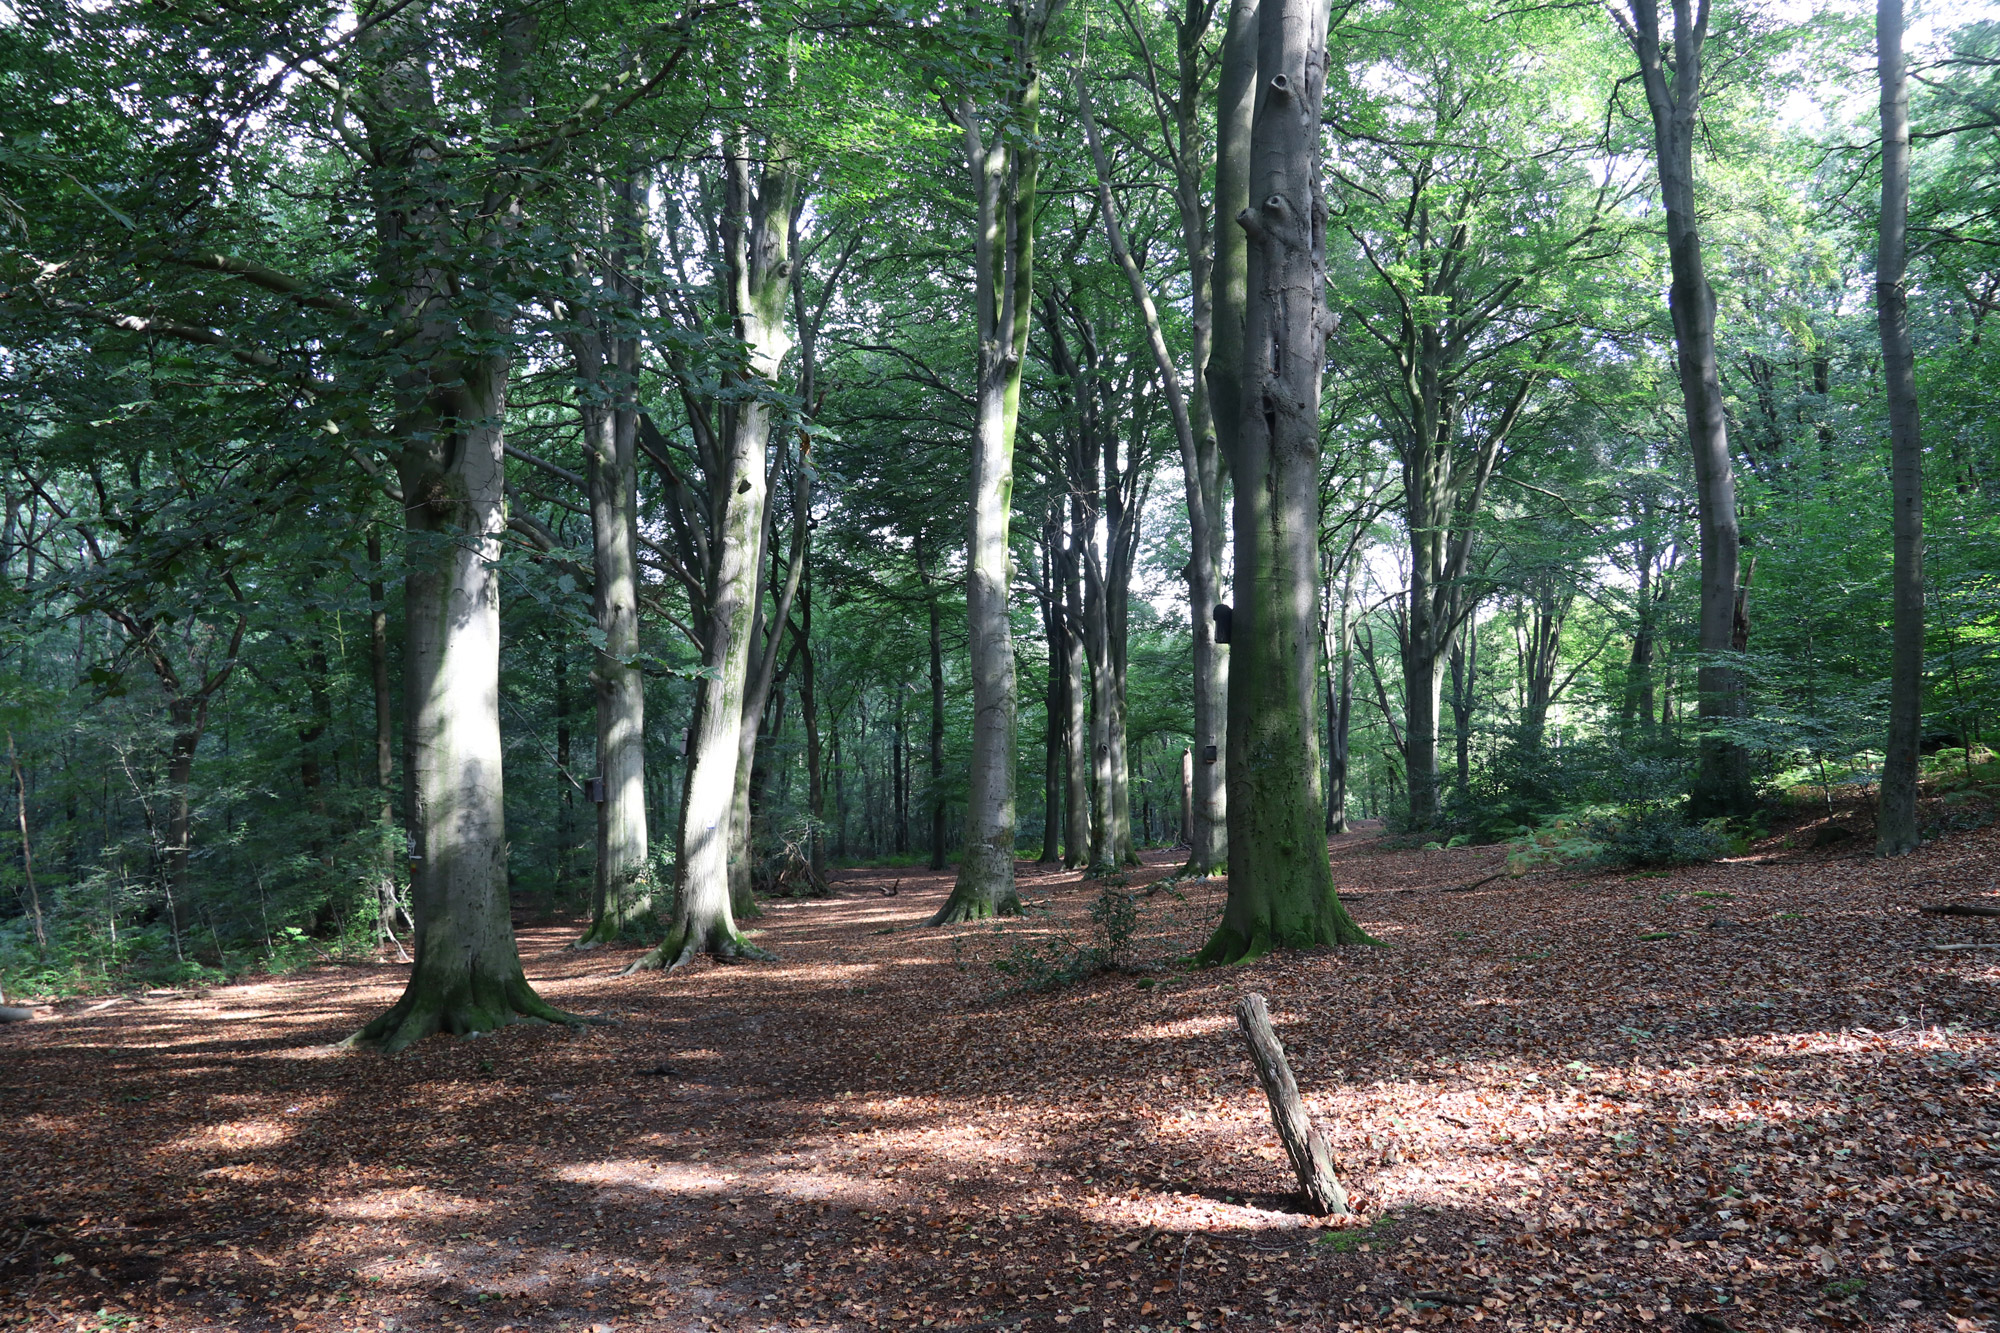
(1752, 1095)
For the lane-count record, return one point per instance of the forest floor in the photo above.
(1747, 1095)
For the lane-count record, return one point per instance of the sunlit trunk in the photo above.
(756, 228)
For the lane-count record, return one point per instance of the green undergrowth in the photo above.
(1378, 1232)
(1045, 961)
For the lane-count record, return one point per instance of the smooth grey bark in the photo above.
(1186, 833)
(1002, 162)
(1281, 890)
(766, 639)
(449, 433)
(1672, 77)
(1896, 829)
(1102, 487)
(607, 365)
(756, 237)
(809, 713)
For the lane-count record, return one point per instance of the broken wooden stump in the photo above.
(1305, 1144)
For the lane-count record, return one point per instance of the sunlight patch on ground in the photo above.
(234, 1135)
(1203, 1026)
(694, 1180)
(416, 1201)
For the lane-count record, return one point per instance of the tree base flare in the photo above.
(1229, 946)
(685, 945)
(612, 927)
(467, 1010)
(966, 904)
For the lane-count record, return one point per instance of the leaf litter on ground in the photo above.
(1569, 1101)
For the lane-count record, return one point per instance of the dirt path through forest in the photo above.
(1752, 1091)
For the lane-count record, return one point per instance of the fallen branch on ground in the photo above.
(1960, 909)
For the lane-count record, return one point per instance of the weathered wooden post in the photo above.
(1305, 1144)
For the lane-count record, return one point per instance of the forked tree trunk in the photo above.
(1280, 881)
(1003, 165)
(756, 231)
(1673, 94)
(1896, 821)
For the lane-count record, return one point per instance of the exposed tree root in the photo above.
(970, 905)
(1229, 947)
(476, 1006)
(683, 946)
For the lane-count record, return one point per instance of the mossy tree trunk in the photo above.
(1281, 890)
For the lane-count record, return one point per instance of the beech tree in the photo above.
(1281, 892)
(1002, 158)
(1670, 69)
(1896, 820)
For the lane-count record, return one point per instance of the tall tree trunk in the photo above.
(467, 976)
(1896, 820)
(899, 770)
(565, 782)
(809, 709)
(1055, 702)
(937, 721)
(756, 229)
(1201, 569)
(1003, 164)
(1280, 881)
(1076, 702)
(451, 410)
(389, 904)
(1187, 796)
(1340, 706)
(21, 820)
(1229, 287)
(608, 365)
(1673, 94)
